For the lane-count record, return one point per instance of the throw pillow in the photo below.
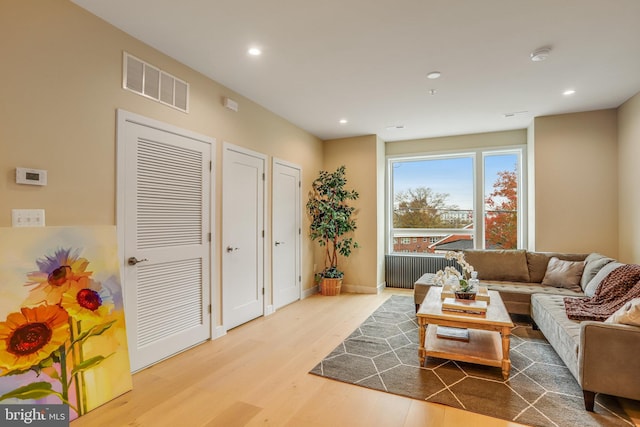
(593, 264)
(628, 314)
(564, 274)
(593, 284)
(537, 262)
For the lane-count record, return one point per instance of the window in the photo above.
(501, 191)
(458, 201)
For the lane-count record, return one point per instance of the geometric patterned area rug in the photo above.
(382, 354)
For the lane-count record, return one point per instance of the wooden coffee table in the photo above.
(489, 334)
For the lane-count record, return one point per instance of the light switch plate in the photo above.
(27, 217)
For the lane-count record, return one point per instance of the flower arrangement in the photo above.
(449, 272)
(64, 309)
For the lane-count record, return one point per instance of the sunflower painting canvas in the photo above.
(62, 326)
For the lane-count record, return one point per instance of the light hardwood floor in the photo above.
(257, 375)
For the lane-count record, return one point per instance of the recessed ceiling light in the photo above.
(540, 54)
(568, 92)
(434, 75)
(254, 51)
(343, 121)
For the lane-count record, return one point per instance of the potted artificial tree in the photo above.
(331, 220)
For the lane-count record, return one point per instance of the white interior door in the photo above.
(243, 180)
(286, 233)
(163, 220)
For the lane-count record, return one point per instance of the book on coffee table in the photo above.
(464, 306)
(451, 333)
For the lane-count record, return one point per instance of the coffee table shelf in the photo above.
(483, 347)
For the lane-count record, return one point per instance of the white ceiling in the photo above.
(367, 60)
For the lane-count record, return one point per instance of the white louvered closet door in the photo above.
(167, 258)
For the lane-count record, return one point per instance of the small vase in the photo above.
(474, 282)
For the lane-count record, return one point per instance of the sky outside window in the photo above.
(453, 176)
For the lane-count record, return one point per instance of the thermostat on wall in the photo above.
(31, 176)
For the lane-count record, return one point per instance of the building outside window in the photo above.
(457, 201)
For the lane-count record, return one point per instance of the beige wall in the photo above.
(360, 156)
(381, 209)
(531, 189)
(629, 180)
(61, 83)
(458, 142)
(576, 182)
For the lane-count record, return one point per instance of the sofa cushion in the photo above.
(499, 264)
(593, 263)
(628, 314)
(563, 274)
(562, 333)
(537, 264)
(593, 284)
(529, 288)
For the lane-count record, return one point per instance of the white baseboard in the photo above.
(269, 310)
(306, 293)
(359, 289)
(218, 331)
(353, 289)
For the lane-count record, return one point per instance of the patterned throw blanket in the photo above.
(620, 286)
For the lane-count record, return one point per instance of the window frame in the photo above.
(478, 156)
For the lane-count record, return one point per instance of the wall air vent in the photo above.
(151, 82)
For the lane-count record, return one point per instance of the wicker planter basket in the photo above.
(330, 287)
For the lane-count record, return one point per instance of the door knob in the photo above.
(279, 243)
(133, 260)
(231, 249)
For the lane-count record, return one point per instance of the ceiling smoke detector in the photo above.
(540, 54)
